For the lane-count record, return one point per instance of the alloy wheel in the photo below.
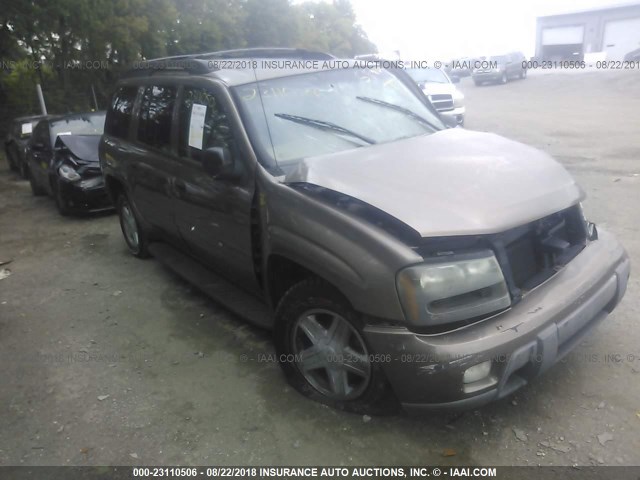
(129, 226)
(331, 354)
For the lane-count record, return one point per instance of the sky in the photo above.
(443, 29)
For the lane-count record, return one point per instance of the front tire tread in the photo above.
(377, 399)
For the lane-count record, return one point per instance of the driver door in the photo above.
(213, 214)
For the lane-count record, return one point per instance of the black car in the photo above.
(17, 139)
(62, 161)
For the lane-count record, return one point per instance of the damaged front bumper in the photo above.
(87, 195)
(427, 371)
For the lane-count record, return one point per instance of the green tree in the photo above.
(271, 23)
(112, 34)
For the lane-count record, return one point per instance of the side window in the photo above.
(156, 108)
(119, 114)
(41, 134)
(203, 124)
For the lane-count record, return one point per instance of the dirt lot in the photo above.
(110, 360)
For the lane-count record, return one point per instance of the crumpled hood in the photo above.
(453, 182)
(84, 147)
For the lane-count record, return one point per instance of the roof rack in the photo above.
(198, 63)
(300, 53)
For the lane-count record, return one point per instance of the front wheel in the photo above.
(62, 202)
(323, 353)
(36, 189)
(134, 235)
(24, 170)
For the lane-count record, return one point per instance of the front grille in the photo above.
(523, 259)
(441, 102)
(534, 252)
(529, 254)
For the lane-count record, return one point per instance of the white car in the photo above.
(441, 91)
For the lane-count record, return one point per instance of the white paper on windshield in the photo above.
(196, 125)
(27, 128)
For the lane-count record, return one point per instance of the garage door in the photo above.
(620, 37)
(563, 35)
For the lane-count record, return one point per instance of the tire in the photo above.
(312, 309)
(504, 79)
(24, 170)
(36, 189)
(10, 159)
(62, 203)
(134, 236)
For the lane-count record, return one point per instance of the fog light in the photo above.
(477, 372)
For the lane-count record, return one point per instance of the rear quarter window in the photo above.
(120, 112)
(156, 111)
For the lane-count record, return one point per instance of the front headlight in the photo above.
(67, 172)
(453, 288)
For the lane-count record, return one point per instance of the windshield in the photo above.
(90, 124)
(330, 111)
(498, 58)
(427, 75)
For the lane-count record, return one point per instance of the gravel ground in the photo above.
(110, 360)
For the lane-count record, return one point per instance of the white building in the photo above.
(613, 31)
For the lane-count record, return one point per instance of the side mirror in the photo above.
(217, 162)
(37, 146)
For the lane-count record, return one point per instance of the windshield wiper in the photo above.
(322, 125)
(400, 109)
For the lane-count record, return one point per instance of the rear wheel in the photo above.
(504, 79)
(11, 159)
(134, 235)
(323, 353)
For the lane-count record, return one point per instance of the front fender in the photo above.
(356, 257)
